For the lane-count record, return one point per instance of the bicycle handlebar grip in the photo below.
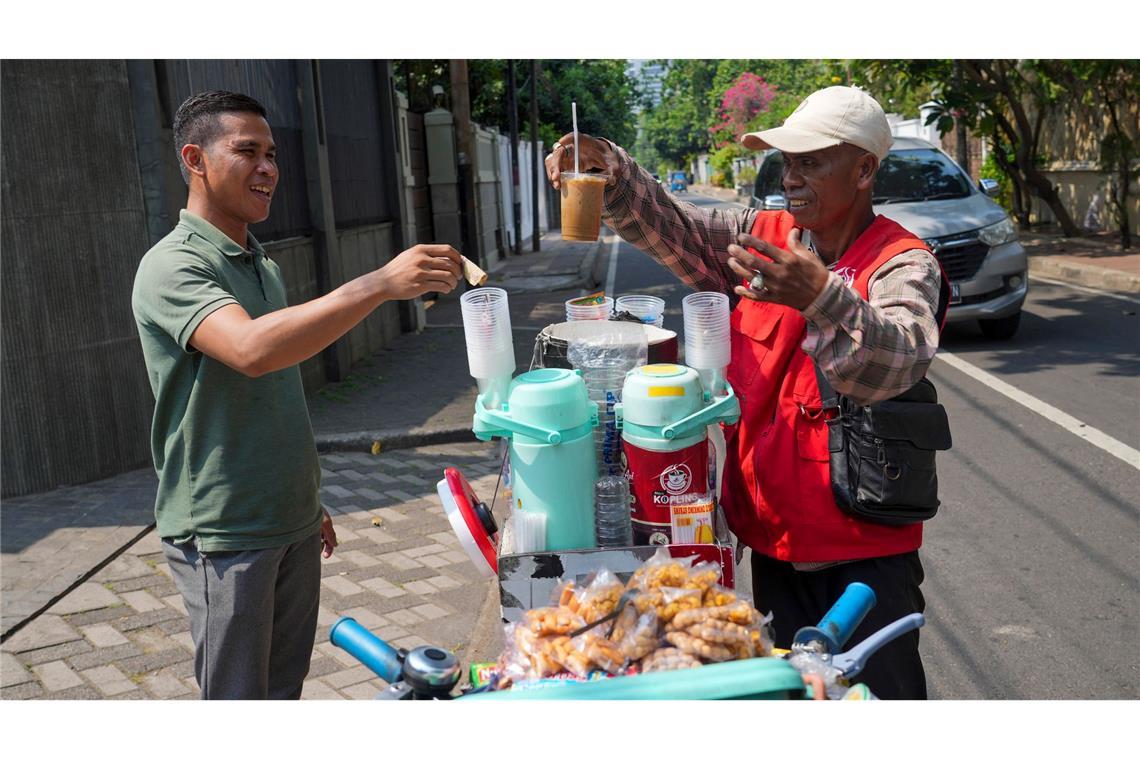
(848, 612)
(376, 654)
(841, 620)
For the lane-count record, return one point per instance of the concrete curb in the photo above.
(1089, 275)
(393, 438)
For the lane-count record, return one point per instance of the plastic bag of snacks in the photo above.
(593, 602)
(675, 615)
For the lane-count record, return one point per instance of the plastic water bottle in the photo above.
(612, 526)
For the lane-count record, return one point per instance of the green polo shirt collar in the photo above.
(215, 237)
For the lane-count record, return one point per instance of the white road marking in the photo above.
(611, 276)
(1084, 289)
(1121, 451)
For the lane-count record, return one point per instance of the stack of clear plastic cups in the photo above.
(579, 311)
(612, 526)
(649, 309)
(708, 343)
(490, 348)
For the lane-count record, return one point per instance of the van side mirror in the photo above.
(990, 187)
(775, 202)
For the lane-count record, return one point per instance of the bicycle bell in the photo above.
(431, 672)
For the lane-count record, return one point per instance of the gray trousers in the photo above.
(253, 616)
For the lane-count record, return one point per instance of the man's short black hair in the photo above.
(196, 121)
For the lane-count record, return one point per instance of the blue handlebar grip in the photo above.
(847, 613)
(375, 653)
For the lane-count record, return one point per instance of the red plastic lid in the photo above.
(459, 502)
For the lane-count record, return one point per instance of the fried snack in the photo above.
(677, 600)
(739, 612)
(669, 658)
(603, 653)
(545, 621)
(567, 597)
(472, 273)
(721, 632)
(642, 639)
(535, 654)
(699, 647)
(561, 649)
(704, 576)
(649, 601)
(598, 599)
(686, 618)
(718, 596)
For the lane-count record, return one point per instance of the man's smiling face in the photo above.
(821, 186)
(241, 167)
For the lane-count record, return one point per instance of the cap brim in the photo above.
(788, 140)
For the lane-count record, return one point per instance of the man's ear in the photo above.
(866, 167)
(194, 158)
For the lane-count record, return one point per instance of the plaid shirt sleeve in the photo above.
(689, 241)
(875, 349)
(869, 350)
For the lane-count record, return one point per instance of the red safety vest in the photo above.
(777, 481)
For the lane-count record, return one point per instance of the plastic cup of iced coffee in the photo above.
(582, 200)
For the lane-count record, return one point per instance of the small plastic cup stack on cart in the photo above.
(649, 309)
(589, 307)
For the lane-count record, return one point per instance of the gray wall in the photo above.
(90, 182)
(76, 401)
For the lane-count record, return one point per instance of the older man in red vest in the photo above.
(825, 284)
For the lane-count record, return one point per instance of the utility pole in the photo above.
(535, 181)
(461, 110)
(513, 117)
(962, 147)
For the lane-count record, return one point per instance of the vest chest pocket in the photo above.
(753, 330)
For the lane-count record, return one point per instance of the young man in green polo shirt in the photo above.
(238, 508)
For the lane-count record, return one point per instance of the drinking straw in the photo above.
(574, 119)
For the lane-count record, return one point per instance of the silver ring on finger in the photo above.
(757, 283)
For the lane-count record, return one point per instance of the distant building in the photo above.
(650, 80)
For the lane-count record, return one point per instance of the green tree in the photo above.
(603, 91)
(677, 128)
(1007, 101)
(681, 127)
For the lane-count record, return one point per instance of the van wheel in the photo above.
(1000, 329)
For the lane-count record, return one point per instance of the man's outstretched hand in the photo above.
(793, 277)
(596, 155)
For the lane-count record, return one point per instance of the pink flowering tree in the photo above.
(748, 96)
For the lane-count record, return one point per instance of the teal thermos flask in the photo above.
(549, 420)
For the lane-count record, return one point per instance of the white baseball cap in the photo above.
(829, 117)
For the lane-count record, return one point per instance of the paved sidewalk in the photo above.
(398, 571)
(1094, 260)
(84, 616)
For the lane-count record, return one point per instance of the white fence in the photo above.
(527, 183)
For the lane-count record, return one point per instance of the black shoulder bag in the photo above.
(882, 455)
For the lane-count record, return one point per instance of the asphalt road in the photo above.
(1032, 564)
